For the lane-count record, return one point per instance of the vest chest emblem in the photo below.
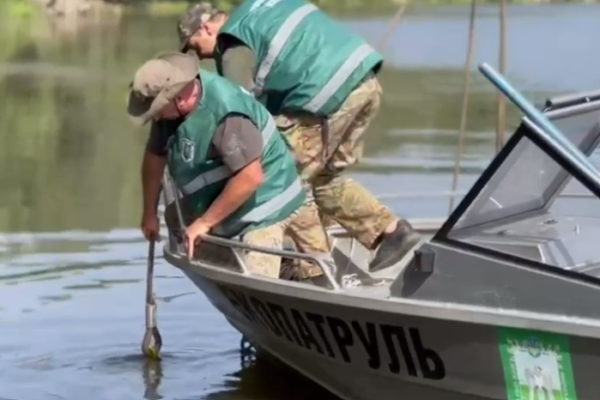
(187, 150)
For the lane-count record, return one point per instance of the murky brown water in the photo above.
(72, 262)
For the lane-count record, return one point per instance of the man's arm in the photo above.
(238, 63)
(153, 166)
(239, 142)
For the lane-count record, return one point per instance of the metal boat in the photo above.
(500, 301)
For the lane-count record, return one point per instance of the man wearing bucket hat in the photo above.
(319, 79)
(225, 155)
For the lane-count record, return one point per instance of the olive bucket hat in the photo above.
(158, 82)
(190, 21)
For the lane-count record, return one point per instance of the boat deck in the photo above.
(352, 261)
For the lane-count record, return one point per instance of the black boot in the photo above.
(394, 246)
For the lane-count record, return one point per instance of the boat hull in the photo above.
(364, 354)
(455, 318)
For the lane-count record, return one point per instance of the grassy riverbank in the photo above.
(346, 8)
(335, 7)
(68, 146)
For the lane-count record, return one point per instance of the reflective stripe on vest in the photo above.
(340, 76)
(279, 40)
(263, 211)
(223, 172)
(277, 44)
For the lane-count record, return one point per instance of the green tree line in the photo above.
(70, 157)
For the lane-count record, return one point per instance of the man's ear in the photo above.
(180, 101)
(202, 28)
(198, 33)
(210, 29)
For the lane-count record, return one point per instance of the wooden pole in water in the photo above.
(501, 117)
(465, 102)
(393, 24)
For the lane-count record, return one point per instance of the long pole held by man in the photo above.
(152, 341)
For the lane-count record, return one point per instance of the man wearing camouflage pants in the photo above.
(319, 79)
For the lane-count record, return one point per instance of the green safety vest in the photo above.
(306, 61)
(202, 180)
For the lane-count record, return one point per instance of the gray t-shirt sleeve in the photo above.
(159, 136)
(157, 141)
(237, 141)
(238, 63)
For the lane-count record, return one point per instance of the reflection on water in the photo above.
(72, 261)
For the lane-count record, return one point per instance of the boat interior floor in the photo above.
(561, 241)
(554, 239)
(351, 274)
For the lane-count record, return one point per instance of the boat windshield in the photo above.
(532, 208)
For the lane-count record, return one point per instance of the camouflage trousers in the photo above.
(337, 199)
(258, 263)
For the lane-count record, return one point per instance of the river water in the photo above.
(72, 261)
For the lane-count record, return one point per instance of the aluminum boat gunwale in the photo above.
(448, 311)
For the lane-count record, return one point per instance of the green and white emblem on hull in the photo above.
(537, 365)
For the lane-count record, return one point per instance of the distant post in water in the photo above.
(392, 25)
(465, 104)
(501, 116)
